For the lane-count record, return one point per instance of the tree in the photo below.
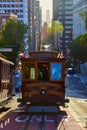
(14, 32)
(54, 31)
(78, 48)
(56, 27)
(13, 35)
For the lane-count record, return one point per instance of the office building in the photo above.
(4, 17)
(35, 25)
(78, 23)
(63, 12)
(18, 7)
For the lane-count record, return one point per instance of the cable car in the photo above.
(43, 78)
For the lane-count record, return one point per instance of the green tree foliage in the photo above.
(56, 27)
(13, 35)
(14, 32)
(78, 48)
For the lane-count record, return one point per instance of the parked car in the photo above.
(71, 71)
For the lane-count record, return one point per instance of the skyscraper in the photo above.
(62, 11)
(18, 7)
(35, 25)
(78, 23)
(48, 17)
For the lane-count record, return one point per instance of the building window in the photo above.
(17, 5)
(21, 11)
(4, 5)
(21, 5)
(12, 5)
(17, 11)
(8, 5)
(8, 11)
(21, 16)
(3, 20)
(12, 11)
(8, 0)
(17, 0)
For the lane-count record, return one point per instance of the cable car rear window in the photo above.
(56, 69)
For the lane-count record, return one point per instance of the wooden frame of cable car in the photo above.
(43, 79)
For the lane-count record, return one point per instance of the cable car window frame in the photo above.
(29, 71)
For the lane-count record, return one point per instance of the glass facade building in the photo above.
(78, 23)
(18, 7)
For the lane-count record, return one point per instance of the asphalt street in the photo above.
(76, 86)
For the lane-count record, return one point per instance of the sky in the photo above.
(46, 4)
